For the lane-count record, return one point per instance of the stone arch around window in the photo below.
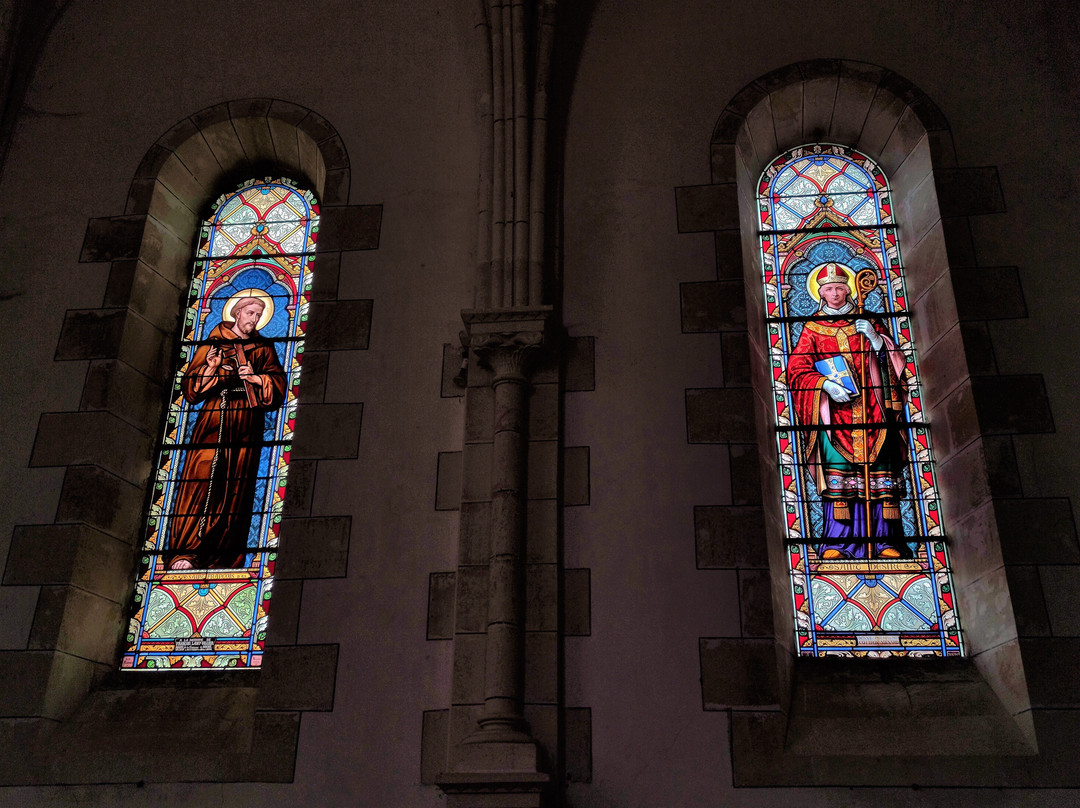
(74, 709)
(785, 709)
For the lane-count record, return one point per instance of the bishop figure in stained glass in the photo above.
(865, 543)
(857, 456)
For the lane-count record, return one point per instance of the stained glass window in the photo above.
(866, 546)
(210, 541)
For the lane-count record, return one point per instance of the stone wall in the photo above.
(656, 648)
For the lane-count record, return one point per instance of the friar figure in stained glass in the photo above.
(237, 377)
(844, 376)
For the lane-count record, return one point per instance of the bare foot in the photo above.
(181, 564)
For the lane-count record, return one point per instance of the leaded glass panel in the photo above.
(209, 545)
(867, 552)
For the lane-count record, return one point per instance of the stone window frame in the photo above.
(798, 721)
(66, 705)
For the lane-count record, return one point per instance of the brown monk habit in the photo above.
(213, 505)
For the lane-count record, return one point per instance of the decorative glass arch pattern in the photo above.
(210, 541)
(866, 547)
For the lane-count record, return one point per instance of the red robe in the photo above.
(823, 339)
(213, 507)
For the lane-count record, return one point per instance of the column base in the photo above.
(494, 789)
(495, 768)
(500, 751)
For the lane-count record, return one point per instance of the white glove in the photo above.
(836, 391)
(867, 330)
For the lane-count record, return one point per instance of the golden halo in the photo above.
(268, 305)
(812, 284)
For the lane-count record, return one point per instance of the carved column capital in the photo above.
(509, 354)
(508, 340)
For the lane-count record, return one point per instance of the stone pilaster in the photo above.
(499, 754)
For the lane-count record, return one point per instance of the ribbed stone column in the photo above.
(504, 670)
(501, 752)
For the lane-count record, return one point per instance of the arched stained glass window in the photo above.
(211, 534)
(866, 547)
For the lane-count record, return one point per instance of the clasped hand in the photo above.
(213, 362)
(249, 375)
(867, 330)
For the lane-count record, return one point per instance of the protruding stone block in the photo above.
(284, 612)
(339, 325)
(91, 334)
(711, 306)
(92, 438)
(101, 500)
(577, 603)
(434, 740)
(70, 554)
(113, 238)
(298, 677)
(451, 370)
(730, 536)
(76, 622)
(328, 430)
(440, 612)
(448, 482)
(314, 547)
(738, 673)
(350, 227)
(580, 364)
